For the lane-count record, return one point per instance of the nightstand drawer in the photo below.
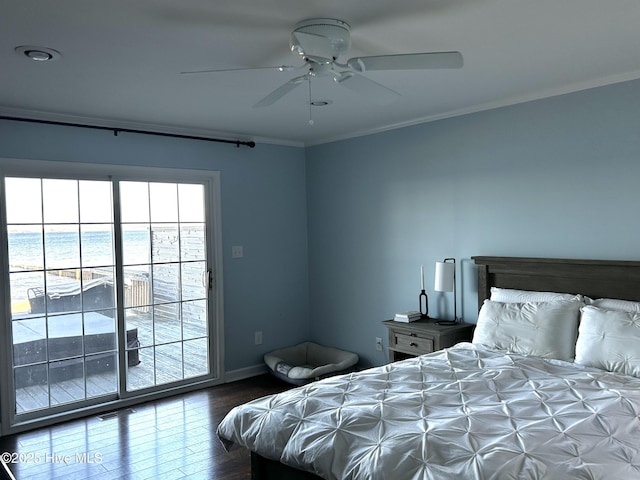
(416, 345)
(424, 336)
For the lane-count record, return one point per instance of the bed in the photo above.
(528, 399)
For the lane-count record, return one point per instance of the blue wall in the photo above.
(551, 178)
(334, 245)
(263, 209)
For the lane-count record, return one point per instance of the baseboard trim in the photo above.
(247, 372)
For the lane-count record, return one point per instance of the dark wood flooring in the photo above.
(168, 439)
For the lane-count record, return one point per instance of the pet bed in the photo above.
(308, 361)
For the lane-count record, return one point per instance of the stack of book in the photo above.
(407, 317)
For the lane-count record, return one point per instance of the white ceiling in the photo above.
(121, 61)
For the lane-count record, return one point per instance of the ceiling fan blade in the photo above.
(281, 68)
(365, 86)
(281, 91)
(407, 61)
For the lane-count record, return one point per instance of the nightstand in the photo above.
(424, 336)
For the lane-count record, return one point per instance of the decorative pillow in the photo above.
(615, 304)
(509, 295)
(610, 340)
(542, 329)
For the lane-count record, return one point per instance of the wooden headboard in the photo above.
(593, 278)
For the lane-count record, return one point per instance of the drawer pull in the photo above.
(415, 344)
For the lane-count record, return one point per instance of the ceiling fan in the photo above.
(321, 41)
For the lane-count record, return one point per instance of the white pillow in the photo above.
(509, 295)
(610, 340)
(615, 304)
(542, 329)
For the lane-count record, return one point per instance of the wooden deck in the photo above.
(184, 357)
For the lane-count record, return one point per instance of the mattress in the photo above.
(468, 412)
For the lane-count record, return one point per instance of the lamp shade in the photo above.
(445, 272)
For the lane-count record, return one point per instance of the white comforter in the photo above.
(462, 413)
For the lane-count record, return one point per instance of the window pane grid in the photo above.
(62, 295)
(62, 272)
(171, 253)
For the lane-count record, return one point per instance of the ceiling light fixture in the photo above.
(38, 54)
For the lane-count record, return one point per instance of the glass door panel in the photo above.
(165, 268)
(63, 306)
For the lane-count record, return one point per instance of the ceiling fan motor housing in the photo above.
(335, 36)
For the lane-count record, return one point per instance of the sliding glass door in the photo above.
(109, 290)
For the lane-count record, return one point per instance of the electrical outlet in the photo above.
(257, 338)
(237, 251)
(378, 344)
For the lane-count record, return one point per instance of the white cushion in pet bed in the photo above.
(308, 361)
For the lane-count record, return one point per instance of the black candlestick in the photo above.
(424, 306)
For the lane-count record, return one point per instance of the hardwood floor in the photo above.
(171, 439)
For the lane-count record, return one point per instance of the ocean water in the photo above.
(62, 249)
(27, 251)
(71, 251)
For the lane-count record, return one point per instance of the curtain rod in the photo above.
(116, 130)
